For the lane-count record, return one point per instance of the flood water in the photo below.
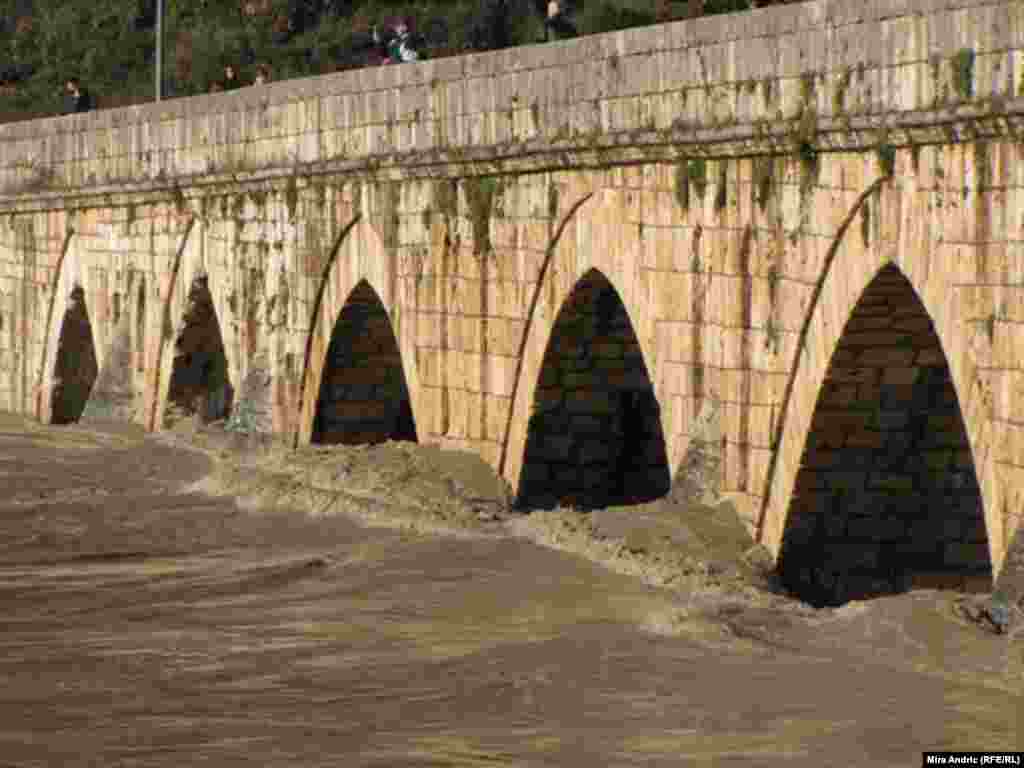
(146, 626)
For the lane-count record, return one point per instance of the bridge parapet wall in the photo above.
(763, 76)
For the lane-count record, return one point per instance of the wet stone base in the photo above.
(252, 411)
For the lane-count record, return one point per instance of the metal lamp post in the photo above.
(159, 46)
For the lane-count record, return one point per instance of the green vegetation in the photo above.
(963, 72)
(483, 195)
(809, 165)
(763, 170)
(886, 154)
(109, 44)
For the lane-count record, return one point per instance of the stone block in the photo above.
(956, 553)
(555, 448)
(817, 458)
(885, 481)
(608, 350)
(548, 398)
(846, 481)
(594, 479)
(595, 452)
(865, 439)
(900, 376)
(892, 420)
(809, 480)
(901, 357)
(566, 478)
(895, 395)
(535, 474)
(851, 375)
(588, 424)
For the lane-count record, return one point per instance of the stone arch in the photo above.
(595, 437)
(67, 292)
(359, 258)
(589, 239)
(75, 368)
(199, 385)
(886, 496)
(908, 245)
(363, 395)
(193, 375)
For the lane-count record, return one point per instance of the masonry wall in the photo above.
(738, 181)
(654, 85)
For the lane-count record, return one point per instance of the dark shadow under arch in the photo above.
(594, 435)
(886, 498)
(76, 368)
(200, 386)
(363, 397)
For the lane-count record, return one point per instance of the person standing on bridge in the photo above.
(400, 46)
(230, 81)
(554, 10)
(557, 25)
(80, 98)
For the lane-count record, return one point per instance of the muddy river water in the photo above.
(145, 623)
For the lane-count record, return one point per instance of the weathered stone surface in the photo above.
(667, 268)
(1010, 584)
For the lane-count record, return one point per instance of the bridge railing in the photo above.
(782, 71)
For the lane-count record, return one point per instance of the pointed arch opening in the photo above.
(886, 498)
(200, 386)
(364, 396)
(594, 434)
(76, 367)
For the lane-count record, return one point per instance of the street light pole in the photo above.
(159, 46)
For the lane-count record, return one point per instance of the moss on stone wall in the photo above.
(690, 172)
(446, 197)
(885, 153)
(763, 180)
(484, 198)
(722, 190)
(865, 223)
(384, 215)
(962, 66)
(839, 93)
(682, 185)
(983, 164)
(809, 165)
(697, 173)
(291, 197)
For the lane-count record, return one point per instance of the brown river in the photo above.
(147, 623)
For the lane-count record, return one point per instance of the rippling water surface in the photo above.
(143, 626)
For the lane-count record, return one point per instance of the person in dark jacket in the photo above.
(230, 81)
(80, 98)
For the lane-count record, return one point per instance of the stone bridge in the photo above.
(778, 256)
